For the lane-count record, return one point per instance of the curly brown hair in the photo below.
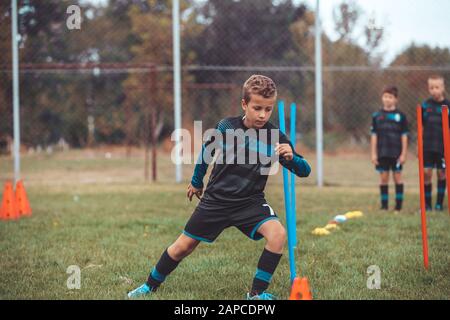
(260, 85)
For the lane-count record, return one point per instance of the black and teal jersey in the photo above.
(432, 125)
(389, 127)
(240, 169)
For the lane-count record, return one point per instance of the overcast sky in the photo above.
(405, 21)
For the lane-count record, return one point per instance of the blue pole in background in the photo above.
(287, 198)
(293, 223)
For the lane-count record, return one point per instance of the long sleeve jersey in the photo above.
(240, 169)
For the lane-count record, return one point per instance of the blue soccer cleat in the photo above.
(140, 291)
(261, 296)
(438, 207)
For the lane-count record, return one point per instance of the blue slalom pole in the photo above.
(293, 223)
(287, 198)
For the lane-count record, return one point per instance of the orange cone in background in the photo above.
(300, 290)
(22, 203)
(8, 209)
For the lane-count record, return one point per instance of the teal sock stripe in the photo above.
(399, 196)
(263, 275)
(158, 276)
(384, 197)
(441, 190)
(428, 194)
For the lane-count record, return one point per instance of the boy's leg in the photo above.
(170, 259)
(384, 189)
(442, 184)
(429, 159)
(258, 221)
(204, 225)
(399, 191)
(428, 173)
(275, 235)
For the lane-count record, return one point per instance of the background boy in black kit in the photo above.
(389, 146)
(433, 144)
(234, 195)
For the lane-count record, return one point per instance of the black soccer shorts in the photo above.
(207, 224)
(433, 160)
(388, 164)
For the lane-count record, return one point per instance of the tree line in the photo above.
(246, 33)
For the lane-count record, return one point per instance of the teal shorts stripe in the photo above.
(196, 237)
(263, 275)
(252, 235)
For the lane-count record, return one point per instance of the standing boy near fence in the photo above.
(389, 146)
(433, 144)
(234, 196)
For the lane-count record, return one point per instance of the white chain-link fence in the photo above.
(110, 82)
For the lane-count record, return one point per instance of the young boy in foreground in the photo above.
(234, 195)
(389, 146)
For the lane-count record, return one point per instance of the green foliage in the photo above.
(221, 33)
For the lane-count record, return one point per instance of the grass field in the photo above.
(98, 214)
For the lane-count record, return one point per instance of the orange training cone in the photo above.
(8, 209)
(300, 290)
(22, 203)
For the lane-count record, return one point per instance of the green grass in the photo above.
(116, 229)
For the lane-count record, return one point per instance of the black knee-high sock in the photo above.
(442, 184)
(384, 194)
(399, 190)
(267, 264)
(162, 269)
(428, 191)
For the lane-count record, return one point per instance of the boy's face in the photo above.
(436, 89)
(389, 101)
(258, 110)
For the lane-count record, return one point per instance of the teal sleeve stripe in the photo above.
(158, 276)
(200, 170)
(196, 238)
(300, 166)
(263, 275)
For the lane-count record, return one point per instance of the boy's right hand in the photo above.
(375, 160)
(193, 191)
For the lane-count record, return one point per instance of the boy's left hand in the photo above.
(284, 150)
(402, 159)
(193, 191)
